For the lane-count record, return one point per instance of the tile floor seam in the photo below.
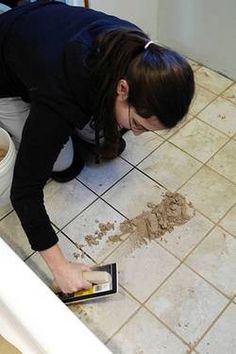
(112, 251)
(216, 93)
(211, 100)
(29, 256)
(219, 221)
(169, 328)
(79, 248)
(212, 324)
(183, 123)
(162, 283)
(234, 236)
(202, 109)
(209, 103)
(110, 205)
(215, 128)
(135, 166)
(157, 288)
(209, 282)
(203, 165)
(8, 213)
(109, 188)
(129, 319)
(152, 179)
(222, 146)
(212, 221)
(130, 294)
(195, 343)
(196, 246)
(188, 153)
(157, 318)
(193, 249)
(71, 220)
(218, 173)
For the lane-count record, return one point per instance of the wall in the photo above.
(142, 13)
(202, 30)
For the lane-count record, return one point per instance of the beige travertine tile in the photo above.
(215, 260)
(221, 115)
(201, 99)
(5, 210)
(169, 166)
(40, 268)
(64, 201)
(138, 147)
(7, 348)
(212, 80)
(187, 304)
(87, 223)
(144, 334)
(210, 193)
(142, 270)
(185, 237)
(13, 234)
(199, 139)
(224, 161)
(229, 221)
(105, 316)
(231, 93)
(99, 177)
(221, 337)
(131, 194)
(167, 133)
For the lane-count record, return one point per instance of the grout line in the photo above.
(215, 128)
(154, 149)
(209, 89)
(82, 211)
(7, 214)
(33, 253)
(153, 314)
(153, 179)
(209, 283)
(125, 175)
(204, 164)
(196, 343)
(79, 248)
(123, 325)
(169, 328)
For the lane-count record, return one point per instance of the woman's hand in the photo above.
(69, 278)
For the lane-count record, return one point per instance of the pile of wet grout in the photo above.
(173, 210)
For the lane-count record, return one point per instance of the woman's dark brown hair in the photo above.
(160, 82)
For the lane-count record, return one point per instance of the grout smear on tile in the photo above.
(173, 210)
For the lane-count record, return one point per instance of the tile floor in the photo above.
(178, 294)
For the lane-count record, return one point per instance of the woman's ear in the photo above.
(122, 90)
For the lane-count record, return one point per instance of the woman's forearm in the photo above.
(54, 257)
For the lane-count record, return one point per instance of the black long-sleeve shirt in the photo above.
(43, 47)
